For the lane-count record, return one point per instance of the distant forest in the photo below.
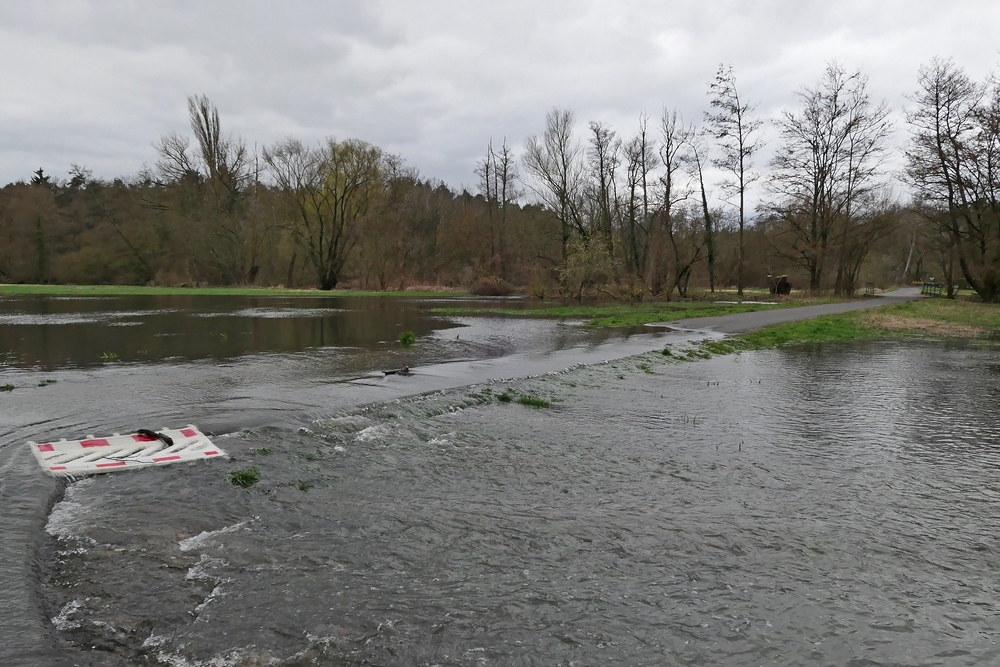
(574, 214)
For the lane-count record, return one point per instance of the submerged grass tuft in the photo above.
(7, 387)
(717, 347)
(533, 402)
(109, 356)
(505, 397)
(406, 339)
(244, 478)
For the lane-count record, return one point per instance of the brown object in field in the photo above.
(779, 285)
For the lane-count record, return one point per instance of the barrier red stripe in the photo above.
(166, 458)
(111, 465)
(188, 432)
(45, 448)
(142, 438)
(211, 453)
(57, 467)
(95, 443)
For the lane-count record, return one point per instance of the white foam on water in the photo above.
(62, 620)
(239, 656)
(200, 569)
(204, 538)
(212, 597)
(372, 433)
(69, 514)
(274, 313)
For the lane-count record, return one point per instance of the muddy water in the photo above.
(815, 506)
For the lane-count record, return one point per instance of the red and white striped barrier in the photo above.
(66, 458)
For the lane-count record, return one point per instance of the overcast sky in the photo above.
(96, 83)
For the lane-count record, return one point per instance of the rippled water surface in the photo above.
(74, 366)
(812, 506)
(50, 332)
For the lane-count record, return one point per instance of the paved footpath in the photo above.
(743, 322)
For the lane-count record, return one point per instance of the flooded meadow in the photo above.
(588, 502)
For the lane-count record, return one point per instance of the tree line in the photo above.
(576, 213)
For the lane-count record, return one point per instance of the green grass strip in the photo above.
(936, 318)
(618, 315)
(819, 330)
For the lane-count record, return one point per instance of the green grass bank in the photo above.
(926, 318)
(637, 314)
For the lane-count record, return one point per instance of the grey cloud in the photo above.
(96, 83)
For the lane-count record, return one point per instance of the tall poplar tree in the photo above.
(735, 128)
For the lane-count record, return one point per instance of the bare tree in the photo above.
(686, 241)
(639, 161)
(827, 167)
(875, 218)
(554, 160)
(696, 159)
(221, 172)
(734, 125)
(954, 162)
(224, 160)
(673, 140)
(498, 184)
(604, 158)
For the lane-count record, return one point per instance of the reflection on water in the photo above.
(52, 332)
(47, 333)
(820, 506)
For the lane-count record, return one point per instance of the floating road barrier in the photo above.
(67, 458)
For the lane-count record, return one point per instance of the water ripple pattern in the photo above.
(832, 505)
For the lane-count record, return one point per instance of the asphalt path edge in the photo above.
(744, 322)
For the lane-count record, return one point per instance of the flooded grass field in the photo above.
(821, 505)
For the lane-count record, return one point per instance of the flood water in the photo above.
(48, 333)
(823, 505)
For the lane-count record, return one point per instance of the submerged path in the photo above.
(743, 322)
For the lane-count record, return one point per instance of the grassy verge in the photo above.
(818, 330)
(935, 318)
(630, 315)
(128, 290)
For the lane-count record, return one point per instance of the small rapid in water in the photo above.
(825, 505)
(83, 365)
